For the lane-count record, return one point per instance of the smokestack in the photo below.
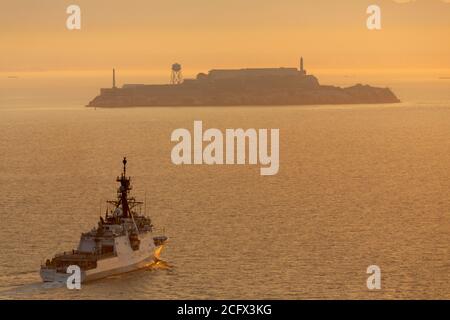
(114, 78)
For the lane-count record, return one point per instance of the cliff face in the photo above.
(283, 88)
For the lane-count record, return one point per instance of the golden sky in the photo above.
(205, 34)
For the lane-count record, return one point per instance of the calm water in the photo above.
(358, 185)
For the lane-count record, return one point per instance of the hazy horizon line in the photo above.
(163, 71)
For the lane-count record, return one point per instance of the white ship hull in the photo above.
(125, 260)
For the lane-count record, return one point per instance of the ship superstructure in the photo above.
(124, 240)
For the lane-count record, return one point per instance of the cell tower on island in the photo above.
(176, 77)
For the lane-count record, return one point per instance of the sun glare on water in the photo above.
(157, 263)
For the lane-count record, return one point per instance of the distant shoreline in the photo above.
(241, 106)
(239, 87)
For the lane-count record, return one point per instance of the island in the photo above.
(240, 87)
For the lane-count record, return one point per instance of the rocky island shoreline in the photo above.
(241, 87)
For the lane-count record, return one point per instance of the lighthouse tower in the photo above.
(302, 70)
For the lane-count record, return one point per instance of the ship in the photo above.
(241, 87)
(124, 240)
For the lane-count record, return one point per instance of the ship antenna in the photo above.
(124, 166)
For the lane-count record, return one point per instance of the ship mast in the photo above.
(124, 189)
(124, 202)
